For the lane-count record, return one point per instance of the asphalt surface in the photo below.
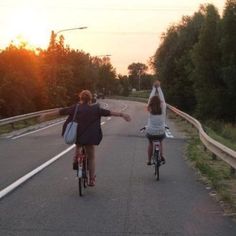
(127, 200)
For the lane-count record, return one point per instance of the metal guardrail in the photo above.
(223, 152)
(14, 119)
(226, 154)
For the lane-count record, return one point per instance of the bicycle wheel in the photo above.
(80, 181)
(157, 165)
(80, 186)
(85, 170)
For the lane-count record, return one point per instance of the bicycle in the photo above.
(81, 167)
(156, 156)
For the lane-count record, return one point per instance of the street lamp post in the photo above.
(54, 56)
(77, 28)
(139, 79)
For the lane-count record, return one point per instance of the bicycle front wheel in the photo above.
(80, 185)
(157, 165)
(157, 173)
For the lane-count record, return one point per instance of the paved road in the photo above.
(126, 200)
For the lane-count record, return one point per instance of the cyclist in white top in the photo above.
(156, 119)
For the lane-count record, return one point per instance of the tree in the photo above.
(136, 70)
(206, 59)
(172, 61)
(20, 85)
(228, 46)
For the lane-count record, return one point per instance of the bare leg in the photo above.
(90, 150)
(150, 150)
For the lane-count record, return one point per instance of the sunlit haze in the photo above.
(127, 30)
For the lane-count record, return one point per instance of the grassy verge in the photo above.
(214, 173)
(4, 129)
(137, 99)
(222, 132)
(17, 125)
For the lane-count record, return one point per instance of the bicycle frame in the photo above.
(156, 157)
(82, 171)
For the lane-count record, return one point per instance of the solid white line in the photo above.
(14, 185)
(20, 181)
(34, 131)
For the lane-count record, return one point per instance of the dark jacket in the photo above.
(89, 130)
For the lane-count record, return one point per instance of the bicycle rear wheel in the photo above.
(80, 185)
(157, 165)
(157, 172)
(80, 180)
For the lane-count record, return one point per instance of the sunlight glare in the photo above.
(29, 26)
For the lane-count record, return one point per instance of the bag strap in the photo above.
(76, 109)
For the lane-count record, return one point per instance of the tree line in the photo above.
(32, 80)
(196, 63)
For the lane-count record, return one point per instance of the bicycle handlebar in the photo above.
(144, 128)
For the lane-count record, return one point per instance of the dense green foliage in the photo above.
(31, 81)
(37, 80)
(196, 63)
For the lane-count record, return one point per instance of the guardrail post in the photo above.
(12, 126)
(214, 157)
(232, 171)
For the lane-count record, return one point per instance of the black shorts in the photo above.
(155, 137)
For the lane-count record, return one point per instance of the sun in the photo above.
(29, 26)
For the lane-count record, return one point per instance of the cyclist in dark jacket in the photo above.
(89, 131)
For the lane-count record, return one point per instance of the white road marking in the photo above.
(168, 134)
(20, 181)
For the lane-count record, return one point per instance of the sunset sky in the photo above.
(129, 30)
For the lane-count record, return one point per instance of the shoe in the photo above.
(75, 165)
(149, 163)
(163, 160)
(92, 182)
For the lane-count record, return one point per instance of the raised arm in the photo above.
(156, 90)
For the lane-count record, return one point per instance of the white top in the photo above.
(156, 123)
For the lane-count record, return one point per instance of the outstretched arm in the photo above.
(120, 114)
(48, 115)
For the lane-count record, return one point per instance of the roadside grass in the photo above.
(17, 125)
(223, 133)
(4, 129)
(141, 94)
(130, 98)
(212, 171)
